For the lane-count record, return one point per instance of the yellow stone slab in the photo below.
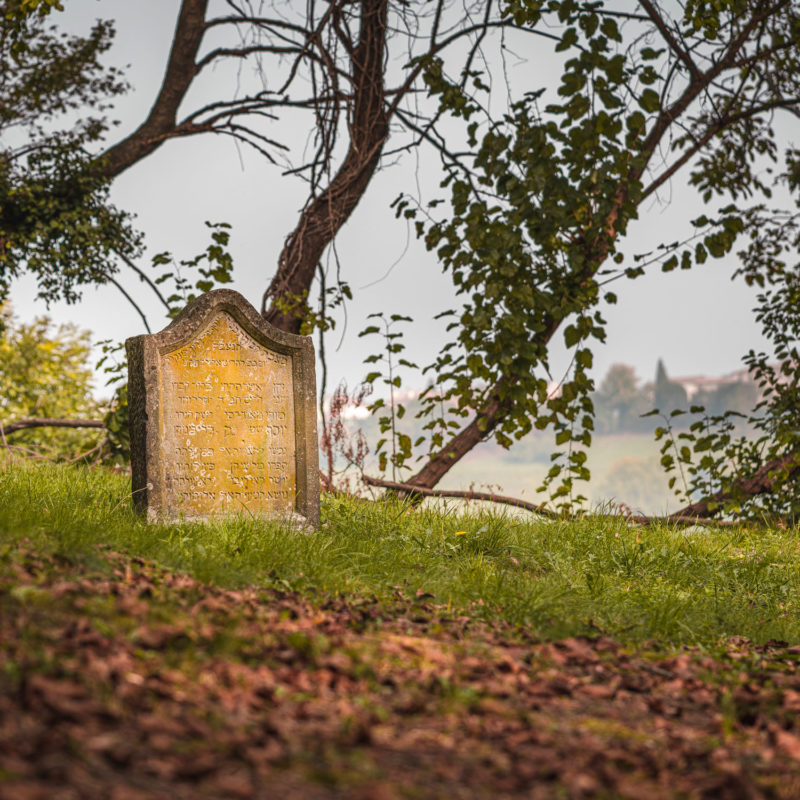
(228, 424)
(223, 415)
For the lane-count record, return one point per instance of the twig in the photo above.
(130, 300)
(3, 437)
(17, 448)
(88, 452)
(143, 277)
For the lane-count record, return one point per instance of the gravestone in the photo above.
(223, 415)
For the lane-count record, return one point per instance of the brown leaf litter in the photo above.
(148, 684)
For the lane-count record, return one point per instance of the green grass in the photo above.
(555, 578)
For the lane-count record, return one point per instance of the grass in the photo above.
(556, 579)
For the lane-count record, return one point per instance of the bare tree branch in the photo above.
(139, 311)
(46, 422)
(143, 276)
(711, 132)
(161, 121)
(658, 21)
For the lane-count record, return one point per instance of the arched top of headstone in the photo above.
(204, 308)
(223, 415)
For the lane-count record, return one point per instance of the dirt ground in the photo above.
(139, 683)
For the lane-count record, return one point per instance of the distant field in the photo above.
(625, 468)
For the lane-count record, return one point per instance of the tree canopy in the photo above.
(55, 218)
(45, 372)
(540, 212)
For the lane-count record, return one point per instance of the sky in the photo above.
(698, 322)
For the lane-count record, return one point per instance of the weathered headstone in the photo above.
(223, 415)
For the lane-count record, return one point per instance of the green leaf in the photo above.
(700, 253)
(649, 100)
(571, 336)
(609, 28)
(568, 39)
(670, 264)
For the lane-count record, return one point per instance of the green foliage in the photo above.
(184, 281)
(555, 578)
(214, 267)
(20, 9)
(398, 442)
(540, 212)
(56, 221)
(45, 372)
(713, 455)
(330, 298)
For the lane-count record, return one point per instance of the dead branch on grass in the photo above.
(680, 518)
(46, 422)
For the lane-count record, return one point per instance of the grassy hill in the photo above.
(396, 652)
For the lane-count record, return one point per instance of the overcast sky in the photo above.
(697, 321)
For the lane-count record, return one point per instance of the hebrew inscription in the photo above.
(227, 423)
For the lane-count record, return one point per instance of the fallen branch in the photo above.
(680, 518)
(98, 448)
(45, 422)
(17, 448)
(421, 491)
(760, 482)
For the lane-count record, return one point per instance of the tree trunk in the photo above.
(161, 122)
(485, 421)
(324, 216)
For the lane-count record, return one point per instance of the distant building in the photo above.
(694, 384)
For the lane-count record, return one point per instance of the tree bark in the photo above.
(324, 216)
(161, 122)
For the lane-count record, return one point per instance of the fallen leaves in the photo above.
(151, 685)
